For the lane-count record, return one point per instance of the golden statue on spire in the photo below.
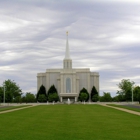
(67, 33)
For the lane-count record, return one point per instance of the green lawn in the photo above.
(125, 107)
(69, 122)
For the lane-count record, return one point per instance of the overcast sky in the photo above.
(103, 36)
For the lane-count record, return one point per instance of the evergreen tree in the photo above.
(42, 91)
(83, 91)
(53, 94)
(94, 94)
(52, 90)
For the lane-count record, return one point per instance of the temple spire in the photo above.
(67, 62)
(67, 54)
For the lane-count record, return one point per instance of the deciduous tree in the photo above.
(125, 87)
(30, 98)
(12, 90)
(106, 97)
(137, 93)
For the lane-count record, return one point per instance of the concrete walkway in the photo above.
(11, 110)
(123, 109)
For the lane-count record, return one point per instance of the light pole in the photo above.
(132, 94)
(4, 95)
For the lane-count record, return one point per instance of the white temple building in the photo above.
(67, 80)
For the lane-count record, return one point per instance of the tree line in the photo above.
(128, 91)
(52, 95)
(14, 94)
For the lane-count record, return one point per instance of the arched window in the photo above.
(68, 85)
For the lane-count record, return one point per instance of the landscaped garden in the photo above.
(69, 122)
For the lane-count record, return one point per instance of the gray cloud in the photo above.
(103, 36)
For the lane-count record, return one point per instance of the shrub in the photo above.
(95, 98)
(83, 96)
(53, 97)
(42, 98)
(83, 91)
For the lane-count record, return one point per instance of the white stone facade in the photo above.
(68, 81)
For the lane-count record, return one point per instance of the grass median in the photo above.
(125, 107)
(5, 108)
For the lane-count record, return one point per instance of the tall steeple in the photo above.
(67, 62)
(67, 53)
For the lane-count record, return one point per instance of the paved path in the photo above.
(11, 110)
(122, 109)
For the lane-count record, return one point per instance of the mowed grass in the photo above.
(69, 122)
